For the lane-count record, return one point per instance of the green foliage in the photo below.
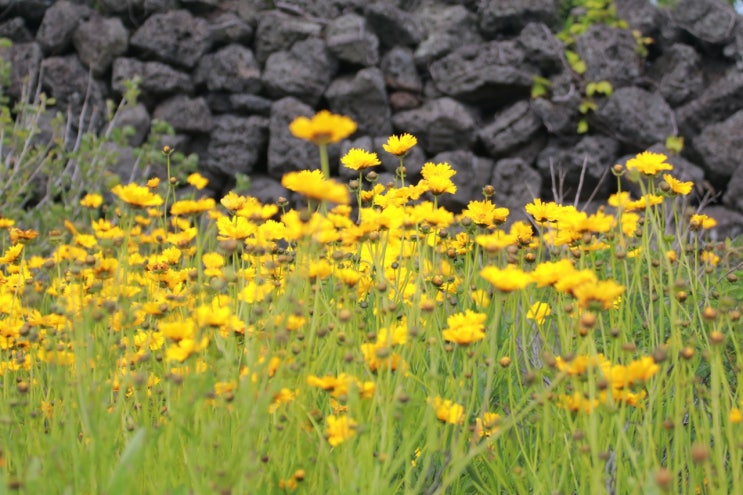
(675, 144)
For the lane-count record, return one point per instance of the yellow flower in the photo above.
(12, 254)
(358, 159)
(484, 213)
(604, 293)
(339, 429)
(137, 196)
(678, 187)
(487, 425)
(543, 212)
(234, 228)
(323, 128)
(710, 258)
(312, 184)
(197, 180)
(697, 222)
(735, 416)
(649, 163)
(465, 328)
(192, 207)
(447, 411)
(508, 279)
(91, 200)
(153, 183)
(538, 312)
(437, 178)
(400, 145)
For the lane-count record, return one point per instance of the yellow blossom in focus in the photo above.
(312, 184)
(447, 411)
(323, 128)
(465, 328)
(400, 145)
(358, 159)
(698, 221)
(137, 196)
(339, 429)
(507, 279)
(649, 163)
(197, 180)
(678, 187)
(91, 200)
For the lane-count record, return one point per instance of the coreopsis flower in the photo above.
(603, 293)
(91, 200)
(339, 429)
(400, 145)
(507, 279)
(539, 311)
(11, 254)
(234, 228)
(543, 212)
(678, 187)
(649, 163)
(710, 258)
(646, 201)
(137, 196)
(437, 178)
(6, 223)
(191, 206)
(577, 402)
(358, 159)
(465, 328)
(22, 235)
(701, 222)
(213, 263)
(487, 425)
(447, 411)
(314, 185)
(484, 213)
(496, 241)
(735, 416)
(197, 180)
(323, 128)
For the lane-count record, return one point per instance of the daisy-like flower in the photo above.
(91, 200)
(400, 145)
(323, 128)
(358, 159)
(539, 311)
(508, 279)
(437, 178)
(701, 222)
(191, 206)
(485, 213)
(339, 429)
(313, 184)
(447, 411)
(678, 187)
(137, 196)
(649, 163)
(197, 180)
(465, 328)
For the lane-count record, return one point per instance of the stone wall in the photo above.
(230, 75)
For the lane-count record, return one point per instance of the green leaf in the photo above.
(582, 126)
(675, 144)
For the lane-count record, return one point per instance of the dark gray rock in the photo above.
(442, 124)
(266, 189)
(610, 55)
(200, 6)
(398, 67)
(118, 7)
(709, 20)
(237, 144)
(59, 24)
(68, 82)
(560, 113)
(157, 79)
(350, 39)
(598, 152)
(473, 173)
(516, 184)
(403, 100)
(640, 15)
(25, 62)
(719, 146)
(541, 47)
(278, 31)
(241, 104)
(637, 117)
(228, 27)
(514, 126)
(232, 69)
(733, 197)
(32, 10)
(498, 16)
(138, 119)
(320, 9)
(449, 28)
(729, 222)
(15, 30)
(190, 115)
(678, 73)
(490, 73)
(125, 162)
(394, 26)
(287, 153)
(719, 100)
(176, 37)
(303, 72)
(364, 99)
(159, 6)
(99, 41)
